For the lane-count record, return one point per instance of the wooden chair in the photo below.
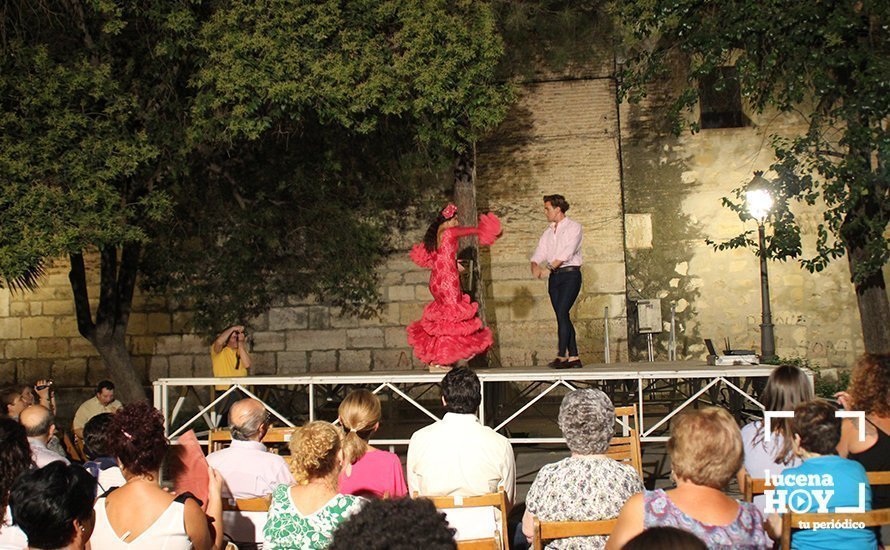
(259, 504)
(223, 437)
(868, 519)
(75, 451)
(243, 519)
(497, 500)
(626, 448)
(549, 530)
(756, 485)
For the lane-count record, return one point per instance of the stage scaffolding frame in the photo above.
(686, 381)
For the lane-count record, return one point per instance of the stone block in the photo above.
(8, 371)
(158, 367)
(392, 359)
(4, 302)
(195, 344)
(10, 327)
(19, 309)
(137, 324)
(181, 366)
(389, 314)
(159, 323)
(65, 327)
(58, 307)
(268, 341)
(31, 370)
(144, 345)
(400, 293)
(202, 367)
(291, 362)
(181, 321)
(69, 372)
(422, 293)
(281, 318)
(37, 327)
(395, 337)
(168, 344)
(262, 363)
(52, 348)
(416, 278)
(322, 361)
(258, 323)
(308, 340)
(319, 318)
(410, 312)
(355, 361)
(21, 349)
(36, 309)
(365, 338)
(604, 278)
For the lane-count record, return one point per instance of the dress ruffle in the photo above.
(421, 257)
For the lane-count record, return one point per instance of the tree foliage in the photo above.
(231, 151)
(828, 62)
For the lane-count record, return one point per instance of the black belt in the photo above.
(567, 268)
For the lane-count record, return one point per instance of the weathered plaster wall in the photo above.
(676, 184)
(560, 138)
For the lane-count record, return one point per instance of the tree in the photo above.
(827, 61)
(220, 151)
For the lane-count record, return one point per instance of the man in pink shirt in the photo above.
(559, 254)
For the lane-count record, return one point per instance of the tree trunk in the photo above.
(465, 199)
(109, 330)
(874, 307)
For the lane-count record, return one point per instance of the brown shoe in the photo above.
(557, 363)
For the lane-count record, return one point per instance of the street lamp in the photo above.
(760, 201)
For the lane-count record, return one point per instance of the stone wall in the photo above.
(561, 137)
(673, 188)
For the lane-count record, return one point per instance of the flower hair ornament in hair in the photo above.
(449, 211)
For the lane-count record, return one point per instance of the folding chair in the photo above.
(500, 538)
(626, 448)
(222, 438)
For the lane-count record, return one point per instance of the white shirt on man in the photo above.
(560, 241)
(249, 470)
(458, 456)
(43, 456)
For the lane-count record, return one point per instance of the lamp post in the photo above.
(760, 202)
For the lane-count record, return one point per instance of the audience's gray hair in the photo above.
(42, 427)
(249, 425)
(587, 420)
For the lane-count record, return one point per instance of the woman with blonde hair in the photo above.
(304, 515)
(705, 449)
(367, 471)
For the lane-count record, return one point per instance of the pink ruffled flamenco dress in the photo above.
(450, 330)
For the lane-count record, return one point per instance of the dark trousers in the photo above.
(564, 287)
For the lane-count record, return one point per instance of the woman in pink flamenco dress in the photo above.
(450, 329)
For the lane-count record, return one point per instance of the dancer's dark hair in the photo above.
(431, 239)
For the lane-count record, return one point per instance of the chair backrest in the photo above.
(757, 485)
(74, 451)
(497, 500)
(220, 438)
(549, 530)
(867, 519)
(260, 504)
(244, 519)
(479, 544)
(626, 448)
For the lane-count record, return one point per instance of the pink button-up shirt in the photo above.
(560, 241)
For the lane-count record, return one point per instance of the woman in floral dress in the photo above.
(303, 516)
(450, 329)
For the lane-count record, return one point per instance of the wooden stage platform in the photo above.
(659, 390)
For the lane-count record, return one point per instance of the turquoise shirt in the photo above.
(846, 477)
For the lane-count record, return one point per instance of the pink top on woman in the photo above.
(376, 474)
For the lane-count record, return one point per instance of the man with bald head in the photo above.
(39, 426)
(248, 469)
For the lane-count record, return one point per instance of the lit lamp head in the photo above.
(759, 197)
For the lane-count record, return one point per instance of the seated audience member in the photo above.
(146, 516)
(870, 392)
(705, 449)
(15, 459)
(588, 485)
(786, 387)
(39, 426)
(395, 524)
(305, 515)
(102, 402)
(39, 394)
(367, 471)
(97, 445)
(12, 401)
(458, 456)
(248, 469)
(817, 431)
(54, 506)
(665, 538)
